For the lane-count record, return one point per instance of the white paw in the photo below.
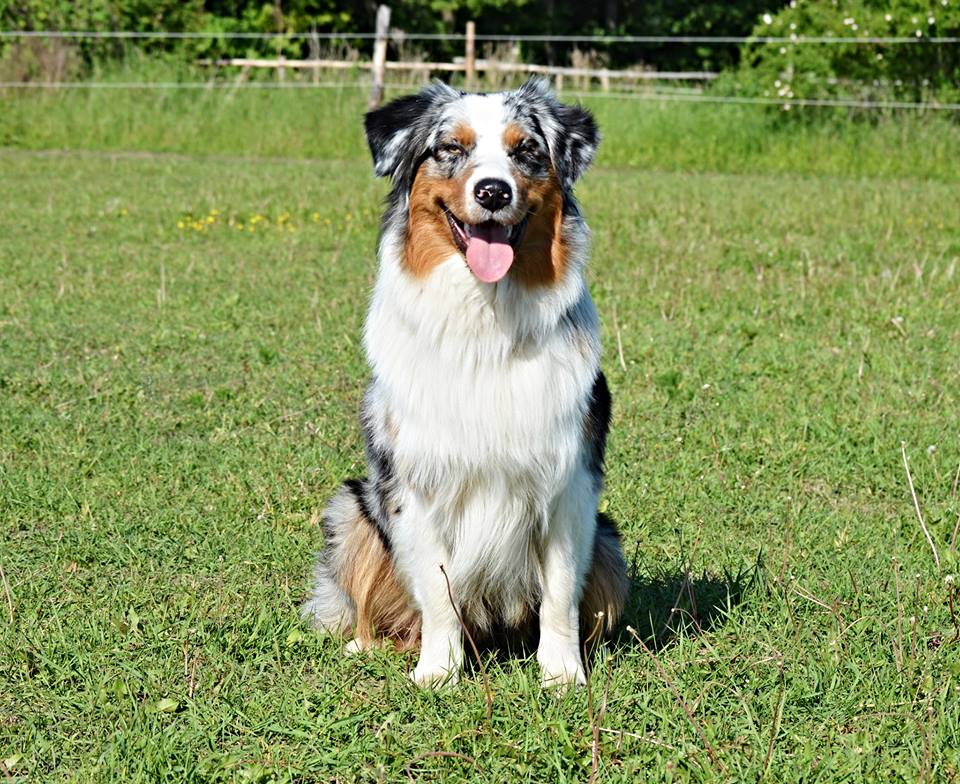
(560, 669)
(432, 676)
(354, 647)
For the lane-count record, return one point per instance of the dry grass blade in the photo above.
(916, 505)
(775, 725)
(6, 591)
(473, 645)
(638, 736)
(594, 718)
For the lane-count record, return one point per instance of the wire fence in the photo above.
(492, 37)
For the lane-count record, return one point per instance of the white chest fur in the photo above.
(484, 389)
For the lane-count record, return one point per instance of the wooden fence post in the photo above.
(380, 55)
(470, 53)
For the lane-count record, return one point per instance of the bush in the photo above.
(792, 70)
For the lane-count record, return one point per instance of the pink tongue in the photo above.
(489, 252)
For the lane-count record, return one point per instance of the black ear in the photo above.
(388, 128)
(400, 132)
(571, 130)
(576, 143)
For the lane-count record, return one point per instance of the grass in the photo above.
(178, 401)
(291, 123)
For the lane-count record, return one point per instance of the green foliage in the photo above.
(690, 17)
(917, 71)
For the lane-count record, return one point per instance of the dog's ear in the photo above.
(571, 130)
(399, 133)
(576, 144)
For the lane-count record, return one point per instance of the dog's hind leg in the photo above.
(356, 589)
(607, 587)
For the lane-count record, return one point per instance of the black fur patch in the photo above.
(402, 133)
(596, 424)
(360, 488)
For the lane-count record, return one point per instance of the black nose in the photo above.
(492, 194)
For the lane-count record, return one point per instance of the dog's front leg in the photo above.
(565, 563)
(420, 555)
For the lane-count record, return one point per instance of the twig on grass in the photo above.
(956, 530)
(953, 613)
(473, 645)
(594, 718)
(616, 329)
(775, 725)
(638, 736)
(6, 591)
(428, 754)
(680, 701)
(956, 481)
(898, 651)
(916, 505)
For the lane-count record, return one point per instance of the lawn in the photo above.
(180, 371)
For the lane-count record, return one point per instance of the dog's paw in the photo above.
(355, 646)
(431, 677)
(560, 671)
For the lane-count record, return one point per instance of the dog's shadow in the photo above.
(672, 602)
(662, 606)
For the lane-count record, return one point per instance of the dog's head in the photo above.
(489, 176)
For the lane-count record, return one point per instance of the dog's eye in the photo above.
(451, 150)
(527, 150)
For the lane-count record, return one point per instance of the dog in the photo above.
(486, 417)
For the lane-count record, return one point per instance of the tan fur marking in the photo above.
(513, 134)
(541, 259)
(384, 610)
(429, 241)
(464, 135)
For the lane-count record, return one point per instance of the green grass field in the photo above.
(178, 398)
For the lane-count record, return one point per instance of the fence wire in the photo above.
(397, 35)
(656, 94)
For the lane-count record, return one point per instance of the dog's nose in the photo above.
(492, 194)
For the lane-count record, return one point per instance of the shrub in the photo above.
(918, 71)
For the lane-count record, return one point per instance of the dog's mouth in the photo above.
(488, 247)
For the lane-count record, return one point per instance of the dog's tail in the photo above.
(607, 586)
(356, 589)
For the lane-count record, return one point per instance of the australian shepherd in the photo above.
(486, 416)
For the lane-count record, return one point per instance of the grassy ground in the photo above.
(178, 397)
(298, 123)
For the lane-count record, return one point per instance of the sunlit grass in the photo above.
(178, 397)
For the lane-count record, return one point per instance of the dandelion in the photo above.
(888, 17)
(180, 225)
(767, 19)
(931, 20)
(879, 56)
(124, 212)
(919, 34)
(315, 217)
